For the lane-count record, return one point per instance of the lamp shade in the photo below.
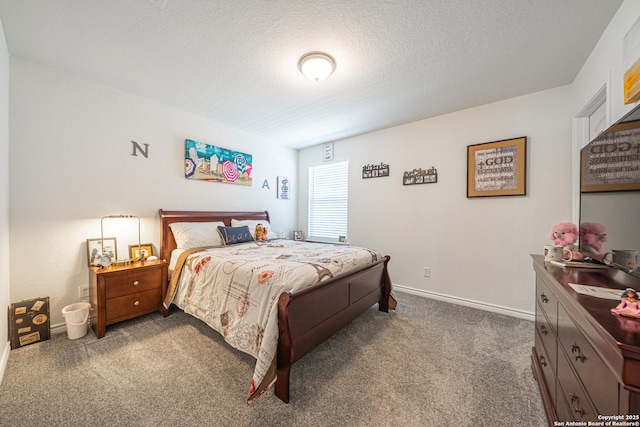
(316, 66)
(127, 260)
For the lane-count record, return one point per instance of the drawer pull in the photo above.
(543, 330)
(543, 361)
(544, 298)
(136, 283)
(577, 410)
(136, 303)
(576, 349)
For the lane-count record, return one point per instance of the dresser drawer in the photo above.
(548, 302)
(129, 282)
(132, 305)
(593, 373)
(574, 394)
(547, 336)
(545, 366)
(563, 413)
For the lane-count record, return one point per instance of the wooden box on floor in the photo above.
(29, 322)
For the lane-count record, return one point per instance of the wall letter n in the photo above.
(137, 147)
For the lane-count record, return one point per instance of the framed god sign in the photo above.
(497, 168)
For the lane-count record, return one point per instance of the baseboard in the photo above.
(59, 328)
(4, 358)
(520, 314)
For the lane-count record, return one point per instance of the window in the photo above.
(328, 201)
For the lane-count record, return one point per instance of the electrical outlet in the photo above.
(83, 291)
(427, 271)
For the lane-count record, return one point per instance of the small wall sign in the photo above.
(419, 176)
(283, 187)
(375, 171)
(327, 152)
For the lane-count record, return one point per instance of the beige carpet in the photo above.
(427, 364)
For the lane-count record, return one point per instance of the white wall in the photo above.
(71, 163)
(4, 200)
(478, 249)
(605, 65)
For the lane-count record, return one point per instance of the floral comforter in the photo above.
(235, 290)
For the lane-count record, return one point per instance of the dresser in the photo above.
(119, 293)
(586, 359)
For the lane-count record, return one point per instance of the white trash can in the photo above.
(76, 316)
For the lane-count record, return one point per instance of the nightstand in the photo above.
(119, 293)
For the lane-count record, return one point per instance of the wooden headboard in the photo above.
(168, 243)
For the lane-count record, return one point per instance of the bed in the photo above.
(306, 316)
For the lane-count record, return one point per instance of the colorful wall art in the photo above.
(210, 163)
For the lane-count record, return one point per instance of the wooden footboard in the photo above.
(308, 317)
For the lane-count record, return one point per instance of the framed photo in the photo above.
(497, 168)
(342, 239)
(297, 235)
(94, 247)
(145, 248)
(283, 187)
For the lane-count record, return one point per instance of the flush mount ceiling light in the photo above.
(316, 66)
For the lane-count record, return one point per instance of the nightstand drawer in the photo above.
(133, 305)
(133, 281)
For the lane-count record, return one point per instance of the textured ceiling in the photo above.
(235, 62)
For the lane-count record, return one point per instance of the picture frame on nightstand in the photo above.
(94, 247)
(145, 248)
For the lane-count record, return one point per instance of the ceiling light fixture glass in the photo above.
(316, 66)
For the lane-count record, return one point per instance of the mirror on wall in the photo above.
(610, 195)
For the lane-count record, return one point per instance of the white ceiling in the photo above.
(235, 62)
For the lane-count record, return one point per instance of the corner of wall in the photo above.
(4, 201)
(4, 358)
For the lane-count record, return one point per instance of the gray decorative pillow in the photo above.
(233, 235)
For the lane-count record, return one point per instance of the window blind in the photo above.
(328, 201)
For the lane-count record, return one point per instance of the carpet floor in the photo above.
(429, 363)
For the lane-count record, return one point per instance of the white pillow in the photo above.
(196, 234)
(251, 223)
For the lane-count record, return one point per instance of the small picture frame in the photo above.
(283, 188)
(297, 235)
(94, 247)
(342, 239)
(145, 248)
